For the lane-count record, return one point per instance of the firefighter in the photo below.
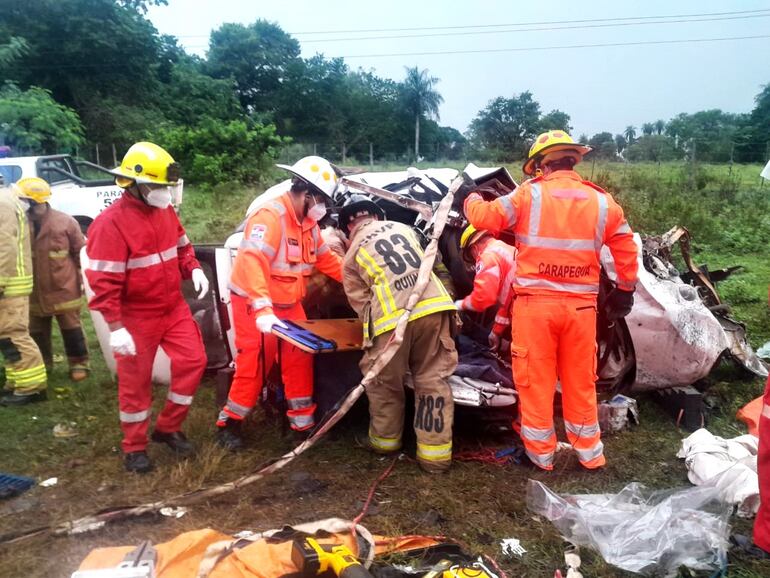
(138, 255)
(379, 274)
(561, 222)
(495, 263)
(25, 373)
(56, 290)
(281, 246)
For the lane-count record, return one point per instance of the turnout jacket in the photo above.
(379, 273)
(15, 254)
(56, 261)
(277, 256)
(561, 222)
(138, 256)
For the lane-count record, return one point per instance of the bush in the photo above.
(217, 152)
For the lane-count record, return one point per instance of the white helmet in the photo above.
(317, 171)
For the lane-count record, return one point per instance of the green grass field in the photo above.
(476, 503)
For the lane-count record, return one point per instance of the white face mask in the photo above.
(159, 198)
(317, 211)
(25, 204)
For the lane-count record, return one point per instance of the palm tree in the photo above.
(630, 133)
(659, 126)
(620, 143)
(648, 128)
(421, 99)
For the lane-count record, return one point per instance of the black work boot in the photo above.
(229, 435)
(137, 462)
(177, 441)
(13, 400)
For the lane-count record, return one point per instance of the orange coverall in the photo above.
(561, 223)
(274, 261)
(493, 282)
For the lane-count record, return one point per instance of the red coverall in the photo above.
(275, 259)
(493, 282)
(138, 256)
(762, 522)
(560, 223)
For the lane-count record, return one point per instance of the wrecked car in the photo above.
(676, 333)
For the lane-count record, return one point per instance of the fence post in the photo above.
(97, 154)
(114, 156)
(344, 153)
(371, 156)
(315, 150)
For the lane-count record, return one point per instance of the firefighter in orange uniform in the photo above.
(495, 262)
(561, 222)
(281, 246)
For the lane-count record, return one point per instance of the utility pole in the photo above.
(371, 156)
(344, 153)
(732, 154)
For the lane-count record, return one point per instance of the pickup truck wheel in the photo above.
(84, 223)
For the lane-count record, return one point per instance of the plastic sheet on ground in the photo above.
(729, 465)
(651, 533)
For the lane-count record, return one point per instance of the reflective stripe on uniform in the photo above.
(536, 434)
(434, 453)
(534, 210)
(30, 376)
(135, 416)
(300, 402)
(261, 303)
(105, 266)
(67, 305)
(546, 284)
(766, 411)
(601, 222)
(423, 308)
(510, 211)
(183, 241)
(542, 460)
(582, 431)
(384, 444)
(502, 320)
(381, 285)
(301, 421)
(591, 454)
(622, 229)
(180, 399)
(16, 286)
(237, 408)
(555, 243)
(152, 259)
(494, 271)
(58, 254)
(237, 290)
(260, 246)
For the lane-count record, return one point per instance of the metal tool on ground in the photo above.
(139, 563)
(314, 559)
(451, 569)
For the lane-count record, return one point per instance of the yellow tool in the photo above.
(313, 559)
(449, 569)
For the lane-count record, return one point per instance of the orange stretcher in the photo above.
(323, 335)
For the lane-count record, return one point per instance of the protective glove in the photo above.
(462, 192)
(200, 282)
(494, 342)
(265, 323)
(459, 304)
(619, 304)
(122, 343)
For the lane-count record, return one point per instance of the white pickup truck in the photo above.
(78, 188)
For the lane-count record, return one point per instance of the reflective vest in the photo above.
(380, 273)
(493, 282)
(277, 255)
(15, 254)
(561, 223)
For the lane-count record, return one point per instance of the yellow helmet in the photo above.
(147, 163)
(553, 141)
(33, 188)
(470, 236)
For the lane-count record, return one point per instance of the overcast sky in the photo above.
(601, 88)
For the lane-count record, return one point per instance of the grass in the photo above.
(476, 503)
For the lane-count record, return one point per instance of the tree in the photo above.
(660, 125)
(507, 125)
(655, 148)
(583, 137)
(648, 128)
(712, 131)
(421, 99)
(603, 144)
(555, 120)
(630, 133)
(620, 143)
(754, 135)
(31, 121)
(255, 57)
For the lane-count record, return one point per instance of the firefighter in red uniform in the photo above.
(281, 246)
(495, 263)
(561, 222)
(138, 255)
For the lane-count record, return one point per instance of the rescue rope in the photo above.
(100, 519)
